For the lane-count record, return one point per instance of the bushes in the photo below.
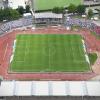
(72, 8)
(80, 9)
(27, 8)
(92, 58)
(23, 10)
(58, 10)
(90, 13)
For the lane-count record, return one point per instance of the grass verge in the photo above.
(92, 57)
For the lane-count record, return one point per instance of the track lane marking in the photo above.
(5, 51)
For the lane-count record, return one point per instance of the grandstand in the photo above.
(80, 22)
(26, 22)
(8, 26)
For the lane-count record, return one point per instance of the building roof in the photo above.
(7, 88)
(22, 88)
(50, 88)
(97, 22)
(47, 15)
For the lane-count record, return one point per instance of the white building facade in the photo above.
(4, 4)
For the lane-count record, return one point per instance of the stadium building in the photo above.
(48, 63)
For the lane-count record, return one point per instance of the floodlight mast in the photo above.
(31, 3)
(32, 8)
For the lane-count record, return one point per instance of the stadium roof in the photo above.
(6, 88)
(22, 88)
(50, 88)
(47, 15)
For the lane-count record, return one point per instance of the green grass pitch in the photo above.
(49, 4)
(49, 53)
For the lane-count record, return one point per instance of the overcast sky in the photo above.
(16, 3)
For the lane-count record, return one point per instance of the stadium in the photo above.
(54, 53)
(46, 56)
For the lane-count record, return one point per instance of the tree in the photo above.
(9, 14)
(20, 10)
(72, 8)
(1, 14)
(6, 14)
(81, 9)
(90, 13)
(14, 14)
(27, 8)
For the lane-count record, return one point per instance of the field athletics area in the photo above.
(49, 53)
(49, 4)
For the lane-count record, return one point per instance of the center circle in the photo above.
(49, 50)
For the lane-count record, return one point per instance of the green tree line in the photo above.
(80, 9)
(9, 14)
(13, 14)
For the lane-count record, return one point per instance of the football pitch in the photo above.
(49, 4)
(49, 53)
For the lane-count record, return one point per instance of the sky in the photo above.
(15, 3)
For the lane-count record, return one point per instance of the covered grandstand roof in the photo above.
(47, 15)
(50, 88)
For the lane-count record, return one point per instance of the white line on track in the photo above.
(5, 51)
